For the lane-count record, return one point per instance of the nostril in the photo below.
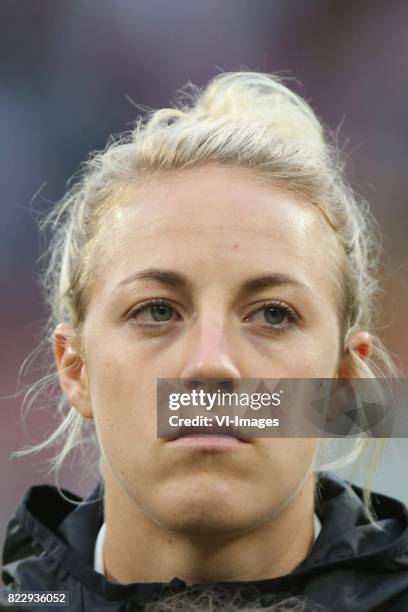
(226, 385)
(195, 384)
(210, 384)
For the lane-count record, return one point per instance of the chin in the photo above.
(206, 514)
(208, 524)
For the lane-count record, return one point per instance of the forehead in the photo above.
(195, 219)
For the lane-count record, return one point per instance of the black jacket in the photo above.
(353, 567)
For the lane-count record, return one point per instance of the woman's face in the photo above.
(208, 231)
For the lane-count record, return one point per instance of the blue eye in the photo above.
(277, 315)
(159, 310)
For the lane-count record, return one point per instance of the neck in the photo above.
(138, 550)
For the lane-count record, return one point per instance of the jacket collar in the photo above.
(80, 527)
(46, 521)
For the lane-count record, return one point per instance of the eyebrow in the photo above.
(176, 280)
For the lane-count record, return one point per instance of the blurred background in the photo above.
(69, 71)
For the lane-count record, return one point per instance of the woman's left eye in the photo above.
(276, 315)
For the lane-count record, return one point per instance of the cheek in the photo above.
(290, 458)
(124, 403)
(318, 356)
(285, 465)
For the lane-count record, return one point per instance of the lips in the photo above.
(217, 431)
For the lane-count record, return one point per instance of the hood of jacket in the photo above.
(352, 567)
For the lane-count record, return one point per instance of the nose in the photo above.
(210, 356)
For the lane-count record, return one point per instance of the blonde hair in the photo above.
(219, 599)
(240, 119)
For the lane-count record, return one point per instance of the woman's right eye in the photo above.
(160, 311)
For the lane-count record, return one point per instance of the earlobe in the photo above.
(359, 343)
(72, 370)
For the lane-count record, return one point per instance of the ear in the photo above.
(361, 344)
(72, 371)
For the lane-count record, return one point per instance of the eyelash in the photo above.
(290, 313)
(293, 317)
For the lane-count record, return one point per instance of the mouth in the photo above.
(201, 437)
